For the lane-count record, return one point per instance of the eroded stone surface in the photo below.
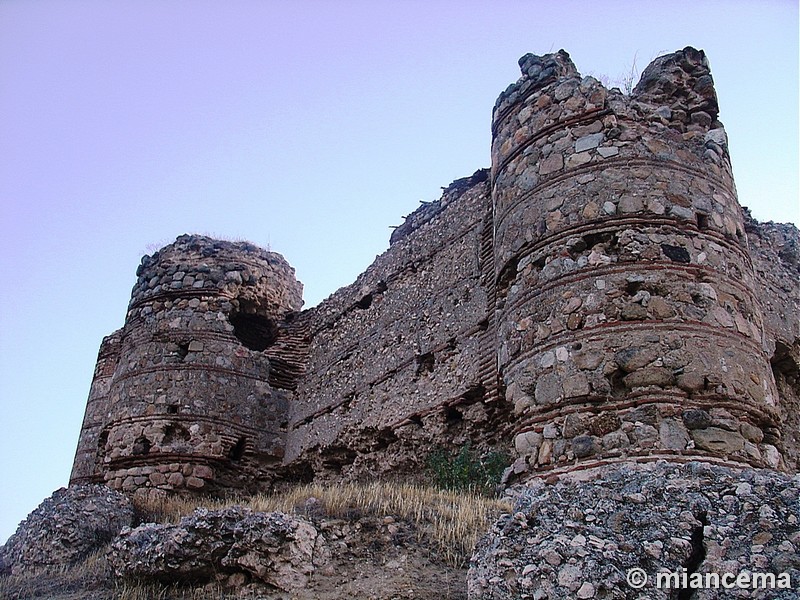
(66, 527)
(273, 548)
(579, 538)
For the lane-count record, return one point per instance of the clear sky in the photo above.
(306, 126)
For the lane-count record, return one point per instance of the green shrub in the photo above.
(467, 470)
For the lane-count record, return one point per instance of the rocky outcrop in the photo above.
(66, 527)
(580, 539)
(273, 548)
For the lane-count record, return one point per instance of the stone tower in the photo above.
(627, 321)
(184, 397)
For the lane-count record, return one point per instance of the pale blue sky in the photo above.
(307, 126)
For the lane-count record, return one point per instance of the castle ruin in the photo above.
(597, 296)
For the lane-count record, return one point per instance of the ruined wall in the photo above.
(591, 299)
(404, 358)
(194, 402)
(775, 250)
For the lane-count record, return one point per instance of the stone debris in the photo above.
(65, 528)
(273, 548)
(578, 538)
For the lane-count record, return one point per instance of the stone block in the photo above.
(551, 164)
(157, 479)
(659, 376)
(203, 471)
(635, 357)
(751, 433)
(696, 419)
(588, 142)
(583, 446)
(548, 389)
(719, 441)
(527, 443)
(195, 483)
(673, 435)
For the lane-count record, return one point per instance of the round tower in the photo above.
(626, 319)
(190, 405)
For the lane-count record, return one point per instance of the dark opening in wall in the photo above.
(336, 457)
(697, 556)
(425, 363)
(631, 287)
(175, 433)
(702, 221)
(676, 253)
(237, 451)
(618, 387)
(383, 439)
(101, 445)
(172, 409)
(255, 332)
(452, 415)
(507, 277)
(141, 446)
(365, 302)
(782, 361)
(608, 238)
(474, 394)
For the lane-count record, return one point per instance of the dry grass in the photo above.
(453, 521)
(92, 578)
(91, 572)
(449, 523)
(142, 591)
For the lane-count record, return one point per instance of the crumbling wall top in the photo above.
(197, 264)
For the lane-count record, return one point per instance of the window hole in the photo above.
(365, 302)
(141, 446)
(425, 363)
(702, 221)
(452, 415)
(255, 332)
(237, 451)
(183, 350)
(618, 387)
(175, 433)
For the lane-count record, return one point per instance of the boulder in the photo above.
(275, 548)
(66, 527)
